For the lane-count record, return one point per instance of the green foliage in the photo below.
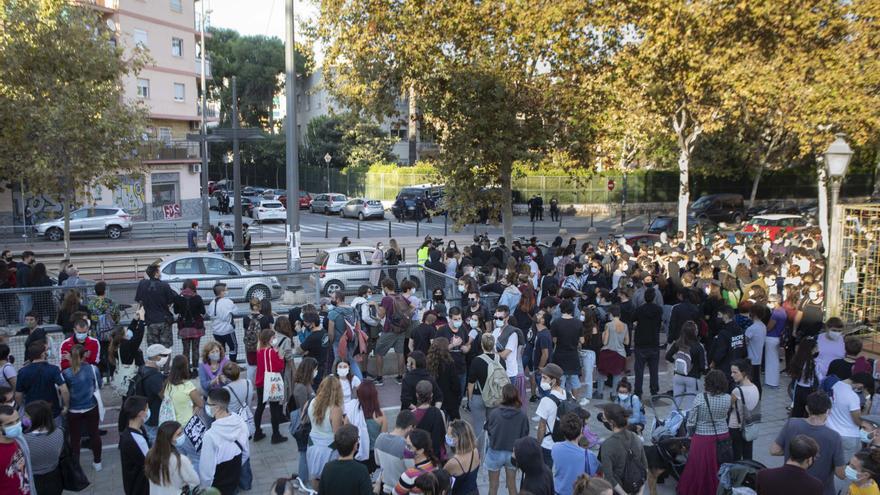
(350, 140)
(257, 62)
(65, 122)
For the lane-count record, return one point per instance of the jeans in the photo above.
(246, 480)
(26, 303)
(651, 357)
(229, 342)
(685, 385)
(615, 380)
(570, 383)
(190, 351)
(478, 418)
(151, 433)
(588, 362)
(189, 450)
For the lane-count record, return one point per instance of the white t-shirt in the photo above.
(547, 412)
(348, 387)
(511, 362)
(756, 333)
(845, 401)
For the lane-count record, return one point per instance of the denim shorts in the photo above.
(497, 459)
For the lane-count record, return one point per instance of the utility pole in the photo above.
(291, 157)
(236, 175)
(203, 131)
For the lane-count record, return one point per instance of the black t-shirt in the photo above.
(151, 387)
(345, 478)
(421, 337)
(316, 345)
(840, 368)
(567, 332)
(479, 371)
(649, 320)
(458, 357)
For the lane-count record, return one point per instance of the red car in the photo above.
(305, 200)
(774, 224)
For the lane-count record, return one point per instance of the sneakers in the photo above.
(98, 467)
(533, 398)
(278, 439)
(399, 379)
(379, 381)
(259, 435)
(584, 402)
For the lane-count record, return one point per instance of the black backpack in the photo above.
(563, 407)
(136, 385)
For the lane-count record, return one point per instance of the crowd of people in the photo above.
(560, 326)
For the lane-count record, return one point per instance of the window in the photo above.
(143, 88)
(186, 266)
(165, 135)
(140, 37)
(165, 188)
(177, 47)
(350, 258)
(179, 92)
(177, 6)
(215, 266)
(79, 214)
(399, 131)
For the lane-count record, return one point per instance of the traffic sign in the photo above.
(610, 184)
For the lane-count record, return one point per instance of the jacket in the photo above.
(91, 344)
(614, 454)
(182, 475)
(219, 445)
(134, 479)
(222, 313)
(728, 346)
(537, 478)
(504, 426)
(408, 387)
(681, 313)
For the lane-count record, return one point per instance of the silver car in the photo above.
(111, 221)
(363, 209)
(209, 268)
(328, 203)
(353, 260)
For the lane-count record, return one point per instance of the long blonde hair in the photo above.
(329, 395)
(77, 354)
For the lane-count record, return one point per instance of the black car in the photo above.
(719, 208)
(782, 206)
(406, 203)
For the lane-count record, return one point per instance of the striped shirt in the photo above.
(407, 481)
(45, 450)
(702, 417)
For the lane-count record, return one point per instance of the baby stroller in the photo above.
(670, 444)
(676, 420)
(739, 478)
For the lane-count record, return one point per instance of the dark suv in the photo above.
(409, 196)
(719, 208)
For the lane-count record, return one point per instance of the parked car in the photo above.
(780, 206)
(719, 208)
(363, 209)
(270, 210)
(328, 203)
(348, 258)
(252, 191)
(247, 204)
(208, 267)
(305, 200)
(111, 221)
(669, 224)
(773, 225)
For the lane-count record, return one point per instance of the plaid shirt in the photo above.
(700, 414)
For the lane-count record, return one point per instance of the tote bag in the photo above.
(273, 383)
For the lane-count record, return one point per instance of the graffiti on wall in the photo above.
(129, 194)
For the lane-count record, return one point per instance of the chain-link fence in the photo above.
(858, 264)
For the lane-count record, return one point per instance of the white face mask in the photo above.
(342, 372)
(314, 374)
(162, 362)
(461, 288)
(545, 386)
(622, 396)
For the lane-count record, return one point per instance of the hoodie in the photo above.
(219, 445)
(505, 425)
(728, 346)
(537, 478)
(408, 387)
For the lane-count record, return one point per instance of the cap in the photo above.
(552, 370)
(157, 350)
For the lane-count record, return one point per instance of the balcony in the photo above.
(105, 5)
(212, 110)
(198, 21)
(155, 150)
(207, 67)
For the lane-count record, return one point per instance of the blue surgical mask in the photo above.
(147, 417)
(499, 322)
(13, 431)
(623, 396)
(214, 356)
(209, 411)
(851, 473)
(456, 323)
(450, 441)
(864, 436)
(129, 334)
(81, 336)
(180, 441)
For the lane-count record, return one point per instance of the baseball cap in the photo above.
(157, 350)
(552, 370)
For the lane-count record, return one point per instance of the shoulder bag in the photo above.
(723, 448)
(749, 422)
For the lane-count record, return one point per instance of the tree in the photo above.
(258, 63)
(65, 122)
(350, 140)
(494, 80)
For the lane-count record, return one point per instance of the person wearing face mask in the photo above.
(831, 345)
(729, 345)
(45, 442)
(316, 344)
(168, 471)
(41, 380)
(476, 308)
(595, 279)
(134, 445)
(808, 321)
(459, 343)
(793, 476)
(16, 474)
(82, 381)
(211, 367)
(377, 259)
(862, 472)
(303, 392)
(225, 447)
(348, 380)
(268, 360)
(80, 337)
(149, 383)
(509, 342)
(846, 409)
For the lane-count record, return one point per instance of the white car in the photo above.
(269, 210)
(111, 221)
(209, 268)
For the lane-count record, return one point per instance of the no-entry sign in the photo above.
(610, 184)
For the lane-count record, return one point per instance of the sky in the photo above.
(252, 17)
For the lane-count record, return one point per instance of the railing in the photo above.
(106, 4)
(168, 150)
(207, 67)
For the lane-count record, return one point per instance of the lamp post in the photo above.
(327, 159)
(837, 158)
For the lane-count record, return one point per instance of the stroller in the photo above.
(739, 478)
(676, 420)
(671, 444)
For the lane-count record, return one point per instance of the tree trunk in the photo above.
(823, 204)
(507, 203)
(876, 192)
(755, 183)
(684, 161)
(413, 127)
(65, 207)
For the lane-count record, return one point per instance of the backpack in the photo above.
(682, 363)
(828, 383)
(401, 314)
(245, 411)
(105, 326)
(496, 379)
(563, 407)
(634, 474)
(136, 384)
(251, 334)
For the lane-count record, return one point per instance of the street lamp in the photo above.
(327, 159)
(837, 158)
